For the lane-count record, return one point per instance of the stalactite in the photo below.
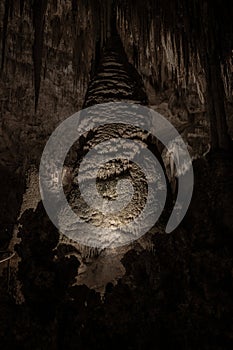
(226, 69)
(86, 16)
(186, 36)
(74, 8)
(11, 8)
(39, 10)
(21, 7)
(4, 32)
(76, 53)
(56, 31)
(184, 21)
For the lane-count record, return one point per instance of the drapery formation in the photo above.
(181, 41)
(176, 41)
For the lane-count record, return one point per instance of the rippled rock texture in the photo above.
(116, 79)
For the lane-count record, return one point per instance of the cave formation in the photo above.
(162, 291)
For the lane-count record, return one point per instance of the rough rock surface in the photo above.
(168, 291)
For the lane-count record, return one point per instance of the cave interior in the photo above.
(161, 291)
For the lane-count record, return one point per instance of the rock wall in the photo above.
(46, 59)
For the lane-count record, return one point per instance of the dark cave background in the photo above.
(179, 294)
